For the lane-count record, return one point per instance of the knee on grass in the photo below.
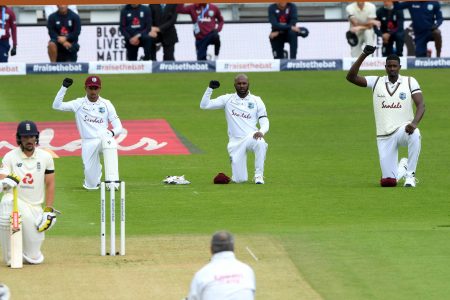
(388, 182)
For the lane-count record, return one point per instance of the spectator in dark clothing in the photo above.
(208, 22)
(391, 29)
(64, 27)
(283, 17)
(426, 17)
(7, 29)
(135, 25)
(163, 29)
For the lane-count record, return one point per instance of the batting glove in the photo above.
(67, 82)
(368, 50)
(9, 182)
(47, 220)
(214, 84)
(13, 51)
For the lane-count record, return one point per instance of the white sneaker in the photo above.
(410, 180)
(402, 168)
(91, 189)
(259, 179)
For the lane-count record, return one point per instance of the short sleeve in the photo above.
(372, 12)
(49, 164)
(371, 80)
(349, 10)
(414, 86)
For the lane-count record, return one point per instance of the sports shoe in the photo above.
(410, 180)
(91, 189)
(259, 179)
(402, 168)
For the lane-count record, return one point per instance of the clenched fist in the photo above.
(214, 84)
(67, 82)
(368, 50)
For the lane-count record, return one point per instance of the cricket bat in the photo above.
(16, 234)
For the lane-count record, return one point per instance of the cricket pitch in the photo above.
(156, 267)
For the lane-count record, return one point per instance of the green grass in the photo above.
(348, 237)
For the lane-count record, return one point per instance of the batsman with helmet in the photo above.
(243, 111)
(93, 115)
(32, 171)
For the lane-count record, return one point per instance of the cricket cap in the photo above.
(93, 81)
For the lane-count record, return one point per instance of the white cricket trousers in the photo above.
(237, 149)
(90, 153)
(32, 239)
(388, 151)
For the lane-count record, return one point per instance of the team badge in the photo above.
(69, 23)
(101, 110)
(19, 165)
(211, 13)
(430, 7)
(38, 166)
(251, 105)
(402, 96)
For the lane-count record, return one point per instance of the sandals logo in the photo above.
(139, 137)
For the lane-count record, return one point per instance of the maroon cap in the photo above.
(93, 81)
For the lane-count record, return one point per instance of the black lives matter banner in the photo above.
(110, 44)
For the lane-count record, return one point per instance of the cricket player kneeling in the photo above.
(243, 111)
(34, 186)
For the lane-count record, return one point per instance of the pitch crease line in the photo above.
(251, 253)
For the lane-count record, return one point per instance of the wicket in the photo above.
(112, 196)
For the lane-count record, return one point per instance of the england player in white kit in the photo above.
(36, 175)
(362, 17)
(224, 277)
(243, 111)
(396, 122)
(93, 115)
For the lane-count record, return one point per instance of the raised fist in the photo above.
(368, 50)
(214, 84)
(67, 82)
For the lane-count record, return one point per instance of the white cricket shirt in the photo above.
(92, 118)
(369, 11)
(392, 102)
(31, 170)
(224, 277)
(242, 115)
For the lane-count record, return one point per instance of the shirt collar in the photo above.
(93, 103)
(223, 255)
(24, 156)
(399, 80)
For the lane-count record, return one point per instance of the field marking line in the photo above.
(251, 253)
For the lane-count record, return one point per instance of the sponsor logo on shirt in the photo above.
(241, 114)
(391, 105)
(229, 278)
(94, 120)
(19, 165)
